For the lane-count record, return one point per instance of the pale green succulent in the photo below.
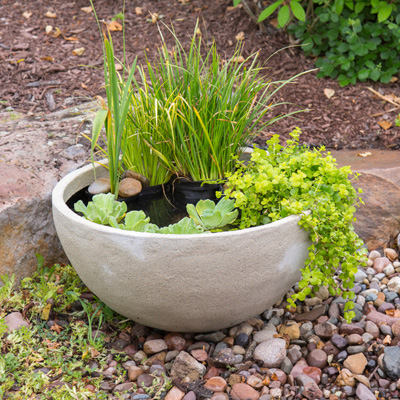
(209, 216)
(102, 208)
(184, 226)
(135, 221)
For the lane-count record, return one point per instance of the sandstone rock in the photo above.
(391, 254)
(123, 387)
(271, 352)
(135, 175)
(185, 364)
(394, 284)
(134, 372)
(349, 329)
(325, 330)
(380, 263)
(30, 167)
(100, 185)
(199, 355)
(364, 393)
(154, 346)
(291, 328)
(317, 358)
(264, 335)
(15, 321)
(387, 207)
(175, 341)
(129, 187)
(242, 391)
(311, 389)
(175, 394)
(379, 318)
(356, 363)
(372, 329)
(312, 315)
(216, 384)
(218, 396)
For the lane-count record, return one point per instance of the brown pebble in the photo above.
(129, 187)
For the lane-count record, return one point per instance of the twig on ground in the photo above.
(383, 97)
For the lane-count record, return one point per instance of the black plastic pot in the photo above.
(190, 192)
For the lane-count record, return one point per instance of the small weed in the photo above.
(397, 121)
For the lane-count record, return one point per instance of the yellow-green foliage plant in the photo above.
(291, 180)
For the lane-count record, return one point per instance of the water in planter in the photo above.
(160, 208)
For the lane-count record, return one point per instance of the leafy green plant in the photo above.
(291, 180)
(135, 221)
(194, 111)
(184, 226)
(210, 216)
(397, 121)
(287, 10)
(102, 208)
(112, 114)
(354, 40)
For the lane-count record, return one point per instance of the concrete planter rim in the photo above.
(58, 198)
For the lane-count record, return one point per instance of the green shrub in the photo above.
(354, 40)
(291, 180)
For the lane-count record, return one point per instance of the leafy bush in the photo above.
(354, 40)
(291, 180)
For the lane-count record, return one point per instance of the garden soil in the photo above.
(51, 58)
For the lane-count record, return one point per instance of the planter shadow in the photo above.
(180, 283)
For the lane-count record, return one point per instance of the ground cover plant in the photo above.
(352, 40)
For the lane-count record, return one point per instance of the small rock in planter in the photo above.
(135, 175)
(101, 185)
(129, 187)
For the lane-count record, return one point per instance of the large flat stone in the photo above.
(36, 152)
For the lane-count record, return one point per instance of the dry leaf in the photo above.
(71, 38)
(57, 33)
(46, 312)
(230, 42)
(239, 59)
(47, 58)
(93, 352)
(364, 154)
(114, 26)
(385, 124)
(184, 1)
(230, 8)
(78, 52)
(240, 36)
(154, 18)
(393, 313)
(274, 22)
(329, 93)
(198, 32)
(363, 379)
(87, 10)
(392, 97)
(27, 14)
(138, 10)
(394, 79)
(84, 86)
(118, 67)
(387, 340)
(56, 328)
(50, 14)
(49, 28)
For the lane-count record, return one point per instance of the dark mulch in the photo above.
(39, 73)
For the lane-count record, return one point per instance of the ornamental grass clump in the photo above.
(293, 180)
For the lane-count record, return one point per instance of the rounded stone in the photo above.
(129, 187)
(317, 358)
(271, 352)
(100, 185)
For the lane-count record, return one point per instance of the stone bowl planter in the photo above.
(180, 283)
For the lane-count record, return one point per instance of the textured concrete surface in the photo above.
(36, 151)
(180, 283)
